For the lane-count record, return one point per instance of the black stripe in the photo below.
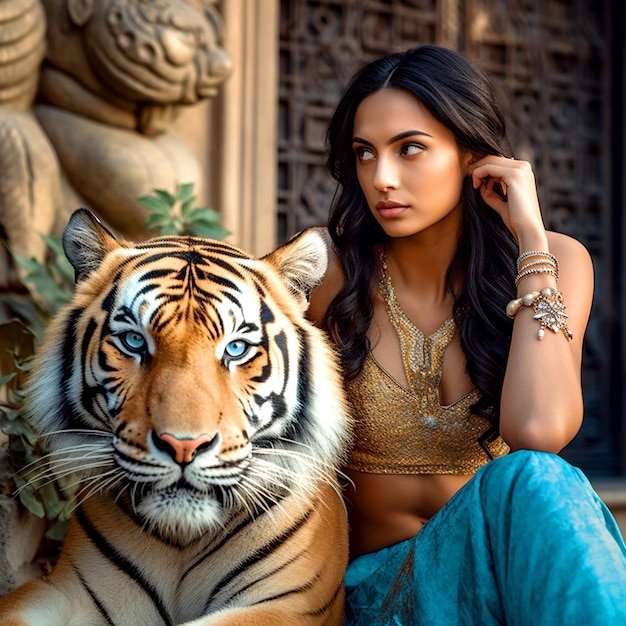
(101, 608)
(259, 555)
(229, 534)
(280, 568)
(110, 553)
(176, 244)
(301, 425)
(197, 258)
(328, 605)
(305, 587)
(71, 417)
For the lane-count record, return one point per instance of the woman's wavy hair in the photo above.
(461, 97)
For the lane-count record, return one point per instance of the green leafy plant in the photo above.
(178, 214)
(47, 287)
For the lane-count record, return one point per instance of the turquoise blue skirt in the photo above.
(526, 542)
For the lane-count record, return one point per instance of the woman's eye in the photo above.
(236, 349)
(411, 148)
(134, 342)
(364, 154)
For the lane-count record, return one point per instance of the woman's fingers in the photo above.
(500, 168)
(508, 187)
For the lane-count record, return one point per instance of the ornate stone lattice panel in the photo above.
(322, 43)
(552, 65)
(551, 61)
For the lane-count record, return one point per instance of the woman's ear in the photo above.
(467, 160)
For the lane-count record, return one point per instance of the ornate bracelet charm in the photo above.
(549, 310)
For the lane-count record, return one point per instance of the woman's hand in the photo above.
(508, 187)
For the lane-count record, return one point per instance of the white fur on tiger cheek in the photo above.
(327, 390)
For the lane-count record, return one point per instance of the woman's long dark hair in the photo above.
(482, 273)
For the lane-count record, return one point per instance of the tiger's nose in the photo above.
(182, 449)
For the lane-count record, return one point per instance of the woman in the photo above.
(460, 322)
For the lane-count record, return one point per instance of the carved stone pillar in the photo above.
(246, 130)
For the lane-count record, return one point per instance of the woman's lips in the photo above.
(389, 209)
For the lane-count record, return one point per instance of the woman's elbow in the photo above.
(546, 432)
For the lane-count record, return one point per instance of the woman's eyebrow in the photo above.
(398, 137)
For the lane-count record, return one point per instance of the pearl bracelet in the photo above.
(549, 310)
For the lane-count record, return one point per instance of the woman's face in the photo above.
(408, 164)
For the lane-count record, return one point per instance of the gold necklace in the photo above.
(422, 355)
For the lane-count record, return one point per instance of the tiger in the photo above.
(204, 417)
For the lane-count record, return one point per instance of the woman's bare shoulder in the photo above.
(567, 247)
(328, 288)
(574, 259)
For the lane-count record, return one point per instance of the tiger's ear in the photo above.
(86, 241)
(302, 262)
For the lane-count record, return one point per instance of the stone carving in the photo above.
(96, 130)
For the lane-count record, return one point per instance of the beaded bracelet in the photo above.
(544, 262)
(549, 310)
(547, 255)
(536, 270)
(535, 263)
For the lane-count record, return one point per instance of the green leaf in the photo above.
(157, 221)
(27, 432)
(167, 198)
(55, 244)
(154, 204)
(6, 379)
(68, 509)
(169, 229)
(184, 191)
(61, 264)
(204, 223)
(214, 231)
(52, 503)
(57, 531)
(12, 425)
(29, 500)
(198, 213)
(30, 265)
(29, 310)
(188, 207)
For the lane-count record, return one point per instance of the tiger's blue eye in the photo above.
(236, 348)
(134, 341)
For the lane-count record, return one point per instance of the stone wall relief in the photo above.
(89, 90)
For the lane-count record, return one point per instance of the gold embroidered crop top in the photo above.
(408, 431)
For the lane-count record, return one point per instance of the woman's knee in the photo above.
(531, 471)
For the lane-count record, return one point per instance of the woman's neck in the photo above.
(421, 267)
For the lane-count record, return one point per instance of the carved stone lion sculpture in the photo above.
(96, 130)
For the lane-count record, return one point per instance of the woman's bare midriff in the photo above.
(385, 509)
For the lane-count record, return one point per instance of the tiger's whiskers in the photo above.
(94, 486)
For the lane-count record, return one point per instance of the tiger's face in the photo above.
(185, 380)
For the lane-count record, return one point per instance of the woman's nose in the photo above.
(386, 174)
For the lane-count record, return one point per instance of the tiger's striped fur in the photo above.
(205, 418)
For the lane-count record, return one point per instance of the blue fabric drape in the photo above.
(525, 542)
